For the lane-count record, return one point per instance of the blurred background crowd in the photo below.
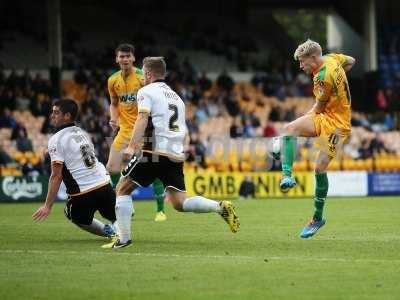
(231, 118)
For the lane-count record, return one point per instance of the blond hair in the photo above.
(308, 48)
(155, 65)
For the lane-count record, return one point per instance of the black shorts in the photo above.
(152, 166)
(81, 208)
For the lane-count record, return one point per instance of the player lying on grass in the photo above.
(329, 120)
(161, 121)
(74, 162)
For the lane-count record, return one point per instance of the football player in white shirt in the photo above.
(161, 121)
(74, 162)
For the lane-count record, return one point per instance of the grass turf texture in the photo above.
(355, 256)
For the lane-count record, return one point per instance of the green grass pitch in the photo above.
(355, 256)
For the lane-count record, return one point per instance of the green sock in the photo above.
(321, 190)
(289, 151)
(114, 179)
(158, 188)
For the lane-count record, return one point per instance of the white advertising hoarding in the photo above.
(351, 183)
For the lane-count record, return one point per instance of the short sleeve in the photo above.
(144, 102)
(140, 76)
(55, 151)
(111, 88)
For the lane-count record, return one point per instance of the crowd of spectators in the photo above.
(205, 100)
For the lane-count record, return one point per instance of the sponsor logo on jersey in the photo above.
(52, 150)
(127, 98)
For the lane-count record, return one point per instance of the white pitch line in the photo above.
(236, 257)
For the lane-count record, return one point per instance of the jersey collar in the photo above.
(64, 126)
(130, 74)
(159, 80)
(319, 69)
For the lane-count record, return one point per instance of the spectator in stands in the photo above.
(80, 76)
(191, 124)
(247, 188)
(7, 98)
(204, 82)
(22, 102)
(365, 150)
(16, 130)
(6, 119)
(92, 102)
(358, 119)
(213, 109)
(392, 100)
(269, 130)
(30, 170)
(4, 157)
(380, 100)
(40, 85)
(201, 113)
(104, 149)
(352, 150)
(248, 129)
(24, 144)
(303, 83)
(377, 146)
(197, 150)
(225, 82)
(46, 127)
(236, 130)
(231, 104)
(41, 105)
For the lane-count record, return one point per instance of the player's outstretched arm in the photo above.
(54, 185)
(349, 63)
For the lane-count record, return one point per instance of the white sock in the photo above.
(276, 144)
(97, 227)
(115, 226)
(123, 211)
(199, 204)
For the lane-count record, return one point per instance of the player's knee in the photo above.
(121, 189)
(320, 168)
(176, 200)
(125, 187)
(177, 206)
(322, 164)
(112, 167)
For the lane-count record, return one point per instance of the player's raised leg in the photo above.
(199, 204)
(321, 191)
(158, 188)
(303, 126)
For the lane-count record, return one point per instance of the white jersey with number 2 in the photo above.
(166, 127)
